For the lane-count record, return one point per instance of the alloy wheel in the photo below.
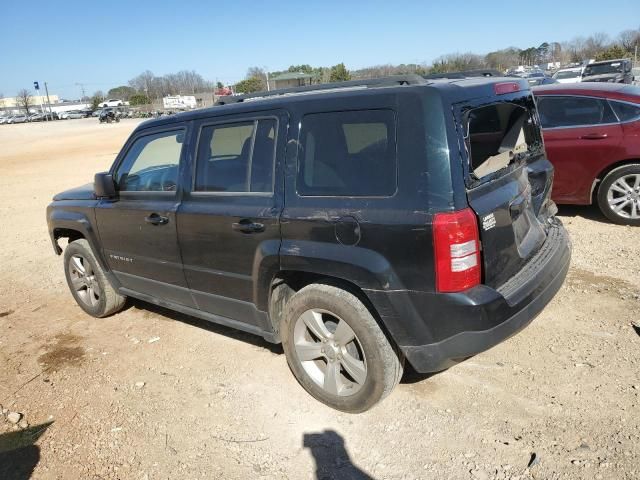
(623, 196)
(83, 280)
(330, 352)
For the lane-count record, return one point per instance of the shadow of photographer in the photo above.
(331, 457)
(18, 453)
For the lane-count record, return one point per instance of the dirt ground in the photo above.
(151, 394)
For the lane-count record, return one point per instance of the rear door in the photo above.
(508, 181)
(582, 136)
(228, 222)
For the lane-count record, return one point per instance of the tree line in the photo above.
(146, 87)
(598, 46)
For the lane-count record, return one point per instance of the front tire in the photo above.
(336, 349)
(619, 195)
(88, 283)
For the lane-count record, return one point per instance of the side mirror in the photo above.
(104, 186)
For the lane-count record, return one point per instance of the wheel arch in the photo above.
(74, 225)
(287, 282)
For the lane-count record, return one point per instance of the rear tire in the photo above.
(88, 283)
(619, 195)
(343, 359)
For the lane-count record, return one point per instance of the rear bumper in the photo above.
(435, 331)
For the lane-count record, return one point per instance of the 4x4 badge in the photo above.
(488, 222)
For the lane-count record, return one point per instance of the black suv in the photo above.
(616, 71)
(360, 224)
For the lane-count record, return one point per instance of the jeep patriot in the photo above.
(360, 224)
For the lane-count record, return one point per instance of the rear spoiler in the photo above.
(465, 74)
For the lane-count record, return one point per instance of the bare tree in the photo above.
(24, 100)
(595, 44)
(259, 73)
(145, 83)
(181, 83)
(503, 59)
(629, 39)
(455, 62)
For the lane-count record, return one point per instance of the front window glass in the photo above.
(151, 164)
(566, 75)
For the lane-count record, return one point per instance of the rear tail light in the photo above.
(457, 250)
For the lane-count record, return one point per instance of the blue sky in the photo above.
(103, 44)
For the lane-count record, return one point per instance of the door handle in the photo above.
(155, 219)
(594, 136)
(247, 226)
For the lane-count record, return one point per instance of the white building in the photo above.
(35, 100)
(179, 102)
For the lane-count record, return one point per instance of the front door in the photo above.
(582, 136)
(138, 228)
(228, 224)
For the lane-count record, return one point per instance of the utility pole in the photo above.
(46, 89)
(266, 73)
(81, 85)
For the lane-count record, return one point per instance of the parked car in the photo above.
(3, 120)
(569, 75)
(75, 114)
(36, 117)
(592, 136)
(18, 119)
(612, 71)
(540, 80)
(113, 102)
(63, 115)
(346, 224)
(96, 113)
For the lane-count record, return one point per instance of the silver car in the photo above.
(17, 119)
(75, 114)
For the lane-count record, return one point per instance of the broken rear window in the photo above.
(498, 135)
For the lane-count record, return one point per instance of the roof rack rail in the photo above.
(489, 72)
(365, 82)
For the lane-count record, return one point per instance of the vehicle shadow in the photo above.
(588, 212)
(18, 453)
(411, 376)
(204, 324)
(332, 459)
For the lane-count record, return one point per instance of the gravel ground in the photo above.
(151, 394)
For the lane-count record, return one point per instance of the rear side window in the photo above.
(236, 157)
(625, 111)
(567, 111)
(348, 154)
(496, 135)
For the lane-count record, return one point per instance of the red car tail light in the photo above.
(506, 87)
(457, 250)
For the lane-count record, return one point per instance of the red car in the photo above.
(592, 136)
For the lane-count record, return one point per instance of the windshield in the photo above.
(566, 74)
(615, 67)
